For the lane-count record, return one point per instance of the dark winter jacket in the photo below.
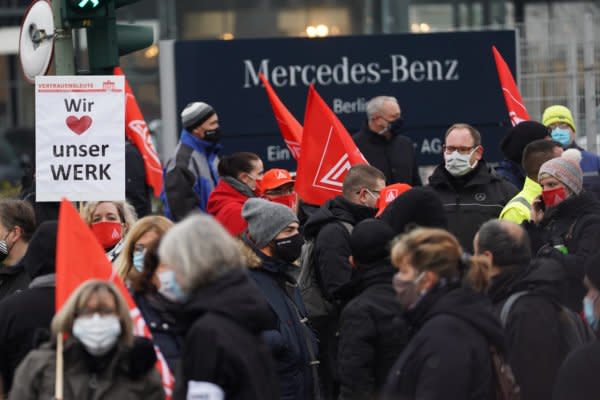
(332, 243)
(190, 176)
(372, 333)
(223, 322)
(137, 191)
(293, 343)
(511, 171)
(27, 314)
(535, 347)
(590, 165)
(12, 279)
(574, 223)
(395, 157)
(158, 314)
(225, 204)
(449, 356)
(118, 375)
(471, 200)
(578, 375)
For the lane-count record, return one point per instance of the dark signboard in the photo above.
(438, 79)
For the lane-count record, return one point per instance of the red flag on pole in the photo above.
(328, 153)
(80, 257)
(514, 103)
(290, 128)
(138, 133)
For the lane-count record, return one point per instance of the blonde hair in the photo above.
(438, 251)
(156, 223)
(64, 319)
(126, 213)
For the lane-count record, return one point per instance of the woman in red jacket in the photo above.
(239, 175)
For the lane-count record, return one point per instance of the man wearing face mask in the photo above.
(274, 237)
(191, 174)
(470, 191)
(562, 125)
(17, 224)
(383, 146)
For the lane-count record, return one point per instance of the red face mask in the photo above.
(108, 233)
(288, 200)
(552, 197)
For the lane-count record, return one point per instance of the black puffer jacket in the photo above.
(471, 200)
(223, 322)
(13, 279)
(395, 157)
(578, 376)
(373, 333)
(449, 356)
(535, 347)
(574, 223)
(332, 243)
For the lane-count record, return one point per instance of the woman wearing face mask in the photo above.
(565, 222)
(156, 298)
(221, 315)
(101, 358)
(274, 237)
(277, 186)
(578, 375)
(147, 230)
(239, 175)
(449, 355)
(110, 221)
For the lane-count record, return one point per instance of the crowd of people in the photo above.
(482, 284)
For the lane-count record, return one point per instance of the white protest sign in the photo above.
(80, 138)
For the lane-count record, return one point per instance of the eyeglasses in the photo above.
(374, 193)
(460, 149)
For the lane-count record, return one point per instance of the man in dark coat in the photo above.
(26, 315)
(330, 228)
(471, 193)
(380, 142)
(532, 324)
(274, 237)
(372, 330)
(17, 224)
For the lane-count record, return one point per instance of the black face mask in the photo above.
(213, 136)
(396, 127)
(288, 249)
(3, 250)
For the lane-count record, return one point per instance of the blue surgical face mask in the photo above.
(169, 287)
(588, 311)
(138, 260)
(562, 136)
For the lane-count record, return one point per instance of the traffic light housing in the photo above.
(106, 39)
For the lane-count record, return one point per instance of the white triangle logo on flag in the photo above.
(294, 147)
(333, 179)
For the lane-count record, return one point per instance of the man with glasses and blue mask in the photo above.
(382, 144)
(470, 191)
(560, 121)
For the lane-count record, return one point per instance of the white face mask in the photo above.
(459, 164)
(97, 333)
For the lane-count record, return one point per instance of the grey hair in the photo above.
(201, 250)
(376, 104)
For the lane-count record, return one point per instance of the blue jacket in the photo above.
(189, 176)
(590, 165)
(511, 171)
(293, 344)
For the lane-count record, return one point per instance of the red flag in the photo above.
(332, 152)
(514, 103)
(138, 133)
(80, 257)
(290, 128)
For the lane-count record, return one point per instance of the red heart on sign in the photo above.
(79, 125)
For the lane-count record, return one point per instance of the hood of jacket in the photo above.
(378, 273)
(336, 209)
(543, 276)
(232, 295)
(419, 206)
(464, 303)
(223, 196)
(40, 256)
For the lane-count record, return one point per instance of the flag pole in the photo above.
(58, 395)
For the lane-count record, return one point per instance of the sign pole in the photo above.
(63, 44)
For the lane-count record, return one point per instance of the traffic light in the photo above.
(106, 39)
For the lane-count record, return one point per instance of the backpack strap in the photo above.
(510, 302)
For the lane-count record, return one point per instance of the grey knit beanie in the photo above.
(194, 114)
(565, 169)
(266, 219)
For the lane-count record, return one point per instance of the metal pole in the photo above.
(589, 83)
(572, 99)
(63, 44)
